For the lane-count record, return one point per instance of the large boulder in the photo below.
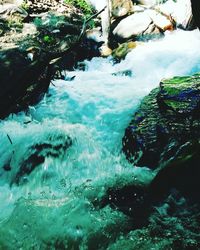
(180, 11)
(132, 26)
(167, 119)
(143, 24)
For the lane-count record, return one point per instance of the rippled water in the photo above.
(84, 121)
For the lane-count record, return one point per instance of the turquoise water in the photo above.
(84, 121)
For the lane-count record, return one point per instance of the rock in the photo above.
(114, 9)
(38, 146)
(160, 21)
(105, 50)
(183, 15)
(132, 200)
(142, 25)
(36, 7)
(180, 11)
(22, 80)
(167, 118)
(127, 72)
(182, 173)
(180, 94)
(26, 57)
(121, 8)
(16, 2)
(196, 12)
(94, 34)
(132, 26)
(122, 50)
(9, 10)
(147, 2)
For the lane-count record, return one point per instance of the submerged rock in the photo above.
(38, 148)
(167, 118)
(132, 200)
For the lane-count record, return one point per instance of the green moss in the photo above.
(175, 85)
(180, 82)
(176, 104)
(48, 39)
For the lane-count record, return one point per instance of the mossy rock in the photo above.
(122, 50)
(166, 119)
(181, 94)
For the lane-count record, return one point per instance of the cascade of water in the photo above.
(93, 111)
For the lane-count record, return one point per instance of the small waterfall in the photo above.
(71, 144)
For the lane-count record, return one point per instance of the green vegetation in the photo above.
(82, 5)
(48, 39)
(25, 5)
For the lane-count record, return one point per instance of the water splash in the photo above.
(93, 111)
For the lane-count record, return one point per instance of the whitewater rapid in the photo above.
(54, 201)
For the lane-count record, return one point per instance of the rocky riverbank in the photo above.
(38, 40)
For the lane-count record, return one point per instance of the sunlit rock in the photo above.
(105, 50)
(132, 26)
(123, 49)
(94, 34)
(17, 2)
(180, 11)
(12, 12)
(160, 21)
(121, 8)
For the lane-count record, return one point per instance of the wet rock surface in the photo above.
(164, 135)
(37, 148)
(28, 45)
(167, 118)
(22, 81)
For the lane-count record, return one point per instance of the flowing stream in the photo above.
(81, 122)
